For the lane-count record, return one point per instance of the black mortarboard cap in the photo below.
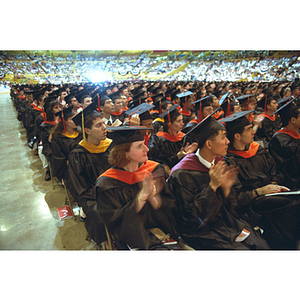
(139, 95)
(244, 98)
(69, 97)
(67, 112)
(283, 101)
(207, 127)
(127, 134)
(287, 109)
(142, 110)
(236, 120)
(135, 102)
(86, 112)
(170, 110)
(264, 100)
(48, 101)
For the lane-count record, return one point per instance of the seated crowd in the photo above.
(213, 165)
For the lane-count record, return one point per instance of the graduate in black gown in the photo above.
(285, 145)
(271, 122)
(51, 120)
(202, 184)
(65, 138)
(203, 109)
(87, 161)
(131, 196)
(168, 149)
(187, 108)
(278, 215)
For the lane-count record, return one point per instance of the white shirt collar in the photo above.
(204, 161)
(106, 120)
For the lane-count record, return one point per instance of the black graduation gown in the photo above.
(205, 218)
(84, 168)
(61, 147)
(285, 149)
(279, 216)
(116, 203)
(157, 125)
(164, 150)
(268, 129)
(45, 133)
(121, 116)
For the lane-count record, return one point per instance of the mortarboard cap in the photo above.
(287, 110)
(207, 127)
(69, 97)
(236, 120)
(244, 98)
(86, 113)
(282, 101)
(48, 101)
(170, 111)
(66, 112)
(127, 134)
(142, 110)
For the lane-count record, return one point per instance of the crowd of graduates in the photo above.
(213, 165)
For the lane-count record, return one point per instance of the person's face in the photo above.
(236, 108)
(86, 102)
(114, 90)
(296, 92)
(118, 104)
(56, 108)
(189, 104)
(220, 144)
(108, 106)
(98, 130)
(177, 101)
(125, 92)
(252, 105)
(46, 93)
(108, 92)
(138, 152)
(147, 123)
(70, 125)
(215, 102)
(75, 103)
(272, 106)
(63, 95)
(247, 136)
(178, 124)
(124, 101)
(206, 111)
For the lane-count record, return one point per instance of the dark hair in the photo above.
(182, 100)
(89, 121)
(230, 135)
(39, 100)
(117, 155)
(212, 137)
(285, 118)
(49, 112)
(116, 98)
(59, 128)
(173, 116)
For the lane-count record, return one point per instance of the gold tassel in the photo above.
(83, 132)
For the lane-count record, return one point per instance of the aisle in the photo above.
(28, 203)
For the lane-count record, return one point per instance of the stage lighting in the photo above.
(98, 76)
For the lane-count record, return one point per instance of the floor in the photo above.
(28, 204)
